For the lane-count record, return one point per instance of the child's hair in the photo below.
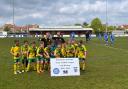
(25, 41)
(15, 41)
(81, 41)
(33, 42)
(41, 42)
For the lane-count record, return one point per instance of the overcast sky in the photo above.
(63, 12)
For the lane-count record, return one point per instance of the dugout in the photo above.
(65, 30)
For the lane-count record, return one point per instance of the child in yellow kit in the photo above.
(47, 56)
(24, 50)
(16, 52)
(58, 52)
(41, 54)
(32, 50)
(70, 50)
(81, 53)
(63, 50)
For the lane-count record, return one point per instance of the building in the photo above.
(15, 28)
(65, 30)
(1, 29)
(9, 25)
(123, 27)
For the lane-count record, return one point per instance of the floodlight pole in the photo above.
(106, 16)
(13, 16)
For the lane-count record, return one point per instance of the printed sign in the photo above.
(65, 67)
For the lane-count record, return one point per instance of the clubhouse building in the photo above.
(65, 30)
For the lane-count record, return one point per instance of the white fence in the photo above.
(3, 34)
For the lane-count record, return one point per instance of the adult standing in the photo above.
(99, 36)
(47, 39)
(87, 36)
(112, 38)
(72, 36)
(106, 38)
(59, 39)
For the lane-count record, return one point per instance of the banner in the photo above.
(65, 67)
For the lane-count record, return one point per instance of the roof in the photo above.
(61, 28)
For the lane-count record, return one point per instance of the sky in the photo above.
(63, 12)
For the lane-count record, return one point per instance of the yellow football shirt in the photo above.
(63, 51)
(24, 50)
(15, 50)
(32, 52)
(70, 51)
(81, 51)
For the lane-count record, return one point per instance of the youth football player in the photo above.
(75, 45)
(112, 38)
(16, 52)
(106, 38)
(58, 51)
(32, 56)
(40, 58)
(70, 50)
(63, 50)
(47, 57)
(24, 50)
(52, 48)
(81, 53)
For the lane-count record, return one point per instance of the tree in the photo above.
(103, 28)
(85, 24)
(77, 24)
(96, 24)
(111, 28)
(7, 29)
(119, 28)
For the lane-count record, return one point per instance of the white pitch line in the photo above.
(112, 47)
(118, 49)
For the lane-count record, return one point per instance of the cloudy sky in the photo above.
(63, 12)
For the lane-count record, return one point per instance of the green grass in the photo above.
(107, 69)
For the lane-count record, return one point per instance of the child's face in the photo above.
(79, 44)
(69, 42)
(73, 42)
(58, 34)
(17, 43)
(59, 46)
(47, 35)
(41, 45)
(49, 46)
(63, 45)
(26, 43)
(33, 45)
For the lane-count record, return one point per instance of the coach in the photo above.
(59, 39)
(47, 40)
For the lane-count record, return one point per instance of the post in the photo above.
(106, 16)
(13, 16)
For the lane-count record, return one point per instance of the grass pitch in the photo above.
(107, 69)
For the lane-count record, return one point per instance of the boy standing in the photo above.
(24, 50)
(32, 56)
(81, 53)
(15, 51)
